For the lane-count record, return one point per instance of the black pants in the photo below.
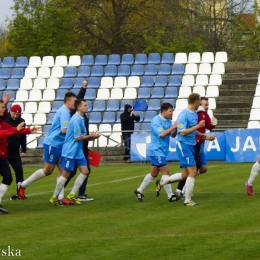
(16, 163)
(127, 142)
(5, 172)
(82, 189)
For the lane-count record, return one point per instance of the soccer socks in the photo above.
(78, 183)
(253, 174)
(167, 187)
(39, 174)
(173, 178)
(61, 194)
(189, 189)
(3, 189)
(59, 186)
(181, 185)
(148, 179)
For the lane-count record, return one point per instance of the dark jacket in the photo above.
(15, 141)
(81, 95)
(127, 121)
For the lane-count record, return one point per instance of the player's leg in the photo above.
(16, 163)
(201, 161)
(148, 179)
(82, 196)
(7, 180)
(51, 159)
(253, 174)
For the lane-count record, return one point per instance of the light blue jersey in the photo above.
(159, 146)
(61, 120)
(187, 119)
(71, 148)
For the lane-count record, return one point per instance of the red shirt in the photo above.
(202, 115)
(5, 131)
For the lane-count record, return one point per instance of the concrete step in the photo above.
(236, 93)
(233, 66)
(233, 123)
(235, 104)
(240, 81)
(239, 75)
(232, 110)
(221, 116)
(235, 98)
(238, 87)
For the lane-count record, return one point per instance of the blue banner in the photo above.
(214, 150)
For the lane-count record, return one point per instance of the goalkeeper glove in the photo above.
(214, 121)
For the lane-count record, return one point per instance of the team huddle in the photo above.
(66, 146)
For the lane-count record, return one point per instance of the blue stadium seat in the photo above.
(0, 62)
(101, 60)
(118, 117)
(97, 71)
(124, 102)
(157, 92)
(146, 127)
(174, 81)
(46, 129)
(21, 62)
(149, 115)
(147, 82)
(171, 92)
(127, 59)
(108, 118)
(5, 73)
(154, 58)
(160, 81)
(40, 142)
(12, 84)
(89, 104)
(8, 62)
(169, 100)
(137, 70)
(87, 60)
(154, 104)
(150, 70)
(141, 59)
(83, 71)
(140, 105)
(95, 118)
(78, 82)
(93, 82)
(99, 105)
(177, 69)
(137, 127)
(164, 69)
(2, 84)
(12, 94)
(66, 83)
(51, 116)
(17, 73)
(112, 105)
(110, 71)
(113, 59)
(55, 106)
(167, 58)
(143, 93)
(70, 72)
(61, 93)
(90, 94)
(123, 70)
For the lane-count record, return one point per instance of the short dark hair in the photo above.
(166, 106)
(204, 98)
(68, 95)
(78, 103)
(193, 98)
(1, 101)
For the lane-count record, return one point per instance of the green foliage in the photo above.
(115, 226)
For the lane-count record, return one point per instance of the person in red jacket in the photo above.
(5, 131)
(200, 157)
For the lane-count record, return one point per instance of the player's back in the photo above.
(61, 120)
(187, 119)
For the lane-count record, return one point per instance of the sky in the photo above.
(4, 9)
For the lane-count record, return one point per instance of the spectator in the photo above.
(14, 143)
(127, 119)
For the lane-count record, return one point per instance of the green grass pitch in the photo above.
(116, 226)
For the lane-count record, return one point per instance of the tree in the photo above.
(41, 27)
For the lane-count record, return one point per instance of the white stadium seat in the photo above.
(26, 84)
(212, 91)
(28, 118)
(221, 56)
(35, 95)
(106, 82)
(30, 107)
(181, 103)
(39, 84)
(114, 140)
(116, 93)
(44, 73)
(215, 80)
(257, 91)
(256, 102)
(204, 68)
(39, 119)
(34, 62)
(254, 114)
(202, 80)
(74, 60)
(212, 103)
(48, 95)
(200, 90)
(187, 81)
(53, 83)
(47, 61)
(103, 94)
(218, 68)
(105, 129)
(44, 107)
(21, 95)
(253, 124)
(180, 57)
(57, 72)
(130, 93)
(191, 69)
(61, 61)
(194, 57)
(30, 73)
(184, 92)
(207, 57)
(133, 82)
(120, 82)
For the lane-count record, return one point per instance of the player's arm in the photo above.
(91, 136)
(183, 128)
(64, 122)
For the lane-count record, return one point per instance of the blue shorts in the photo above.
(68, 164)
(202, 155)
(51, 154)
(158, 161)
(185, 154)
